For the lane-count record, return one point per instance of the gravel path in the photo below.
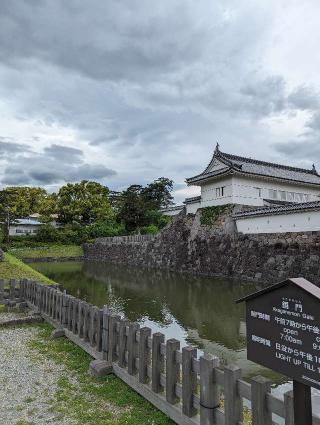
(11, 315)
(27, 385)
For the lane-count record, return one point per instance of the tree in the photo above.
(19, 202)
(48, 207)
(132, 209)
(83, 203)
(139, 206)
(158, 194)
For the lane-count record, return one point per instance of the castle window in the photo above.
(290, 196)
(259, 191)
(283, 195)
(220, 191)
(273, 194)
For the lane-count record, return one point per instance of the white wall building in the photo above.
(171, 211)
(24, 226)
(29, 225)
(231, 179)
(304, 217)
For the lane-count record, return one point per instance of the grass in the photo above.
(103, 401)
(13, 268)
(56, 251)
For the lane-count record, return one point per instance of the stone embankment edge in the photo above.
(187, 246)
(51, 259)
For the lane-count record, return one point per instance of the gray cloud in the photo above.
(64, 153)
(306, 151)
(304, 98)
(8, 147)
(314, 122)
(56, 164)
(146, 88)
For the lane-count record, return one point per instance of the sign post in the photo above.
(283, 334)
(302, 403)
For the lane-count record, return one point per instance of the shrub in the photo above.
(209, 215)
(151, 229)
(47, 233)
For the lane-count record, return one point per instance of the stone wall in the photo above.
(187, 246)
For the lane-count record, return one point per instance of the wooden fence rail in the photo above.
(125, 239)
(190, 390)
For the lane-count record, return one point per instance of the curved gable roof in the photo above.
(243, 165)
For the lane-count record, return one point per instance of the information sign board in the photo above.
(283, 329)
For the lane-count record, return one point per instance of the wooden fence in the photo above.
(125, 239)
(190, 390)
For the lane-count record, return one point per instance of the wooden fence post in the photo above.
(41, 296)
(86, 327)
(80, 319)
(92, 321)
(12, 289)
(288, 408)
(157, 362)
(144, 354)
(65, 302)
(260, 387)
(112, 339)
(99, 330)
(132, 347)
(22, 288)
(46, 302)
(105, 332)
(209, 391)
(1, 290)
(58, 305)
(54, 303)
(37, 296)
(122, 342)
(70, 311)
(232, 400)
(75, 315)
(172, 370)
(189, 380)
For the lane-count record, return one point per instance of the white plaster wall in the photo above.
(245, 190)
(208, 193)
(26, 230)
(295, 222)
(192, 208)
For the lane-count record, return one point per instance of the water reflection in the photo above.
(200, 311)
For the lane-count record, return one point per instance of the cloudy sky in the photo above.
(125, 91)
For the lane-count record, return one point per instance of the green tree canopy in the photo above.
(139, 206)
(132, 209)
(19, 202)
(157, 194)
(83, 202)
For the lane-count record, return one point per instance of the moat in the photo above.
(196, 310)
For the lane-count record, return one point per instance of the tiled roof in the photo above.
(192, 200)
(281, 209)
(173, 208)
(27, 221)
(242, 165)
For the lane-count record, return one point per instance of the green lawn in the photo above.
(56, 251)
(104, 401)
(13, 268)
